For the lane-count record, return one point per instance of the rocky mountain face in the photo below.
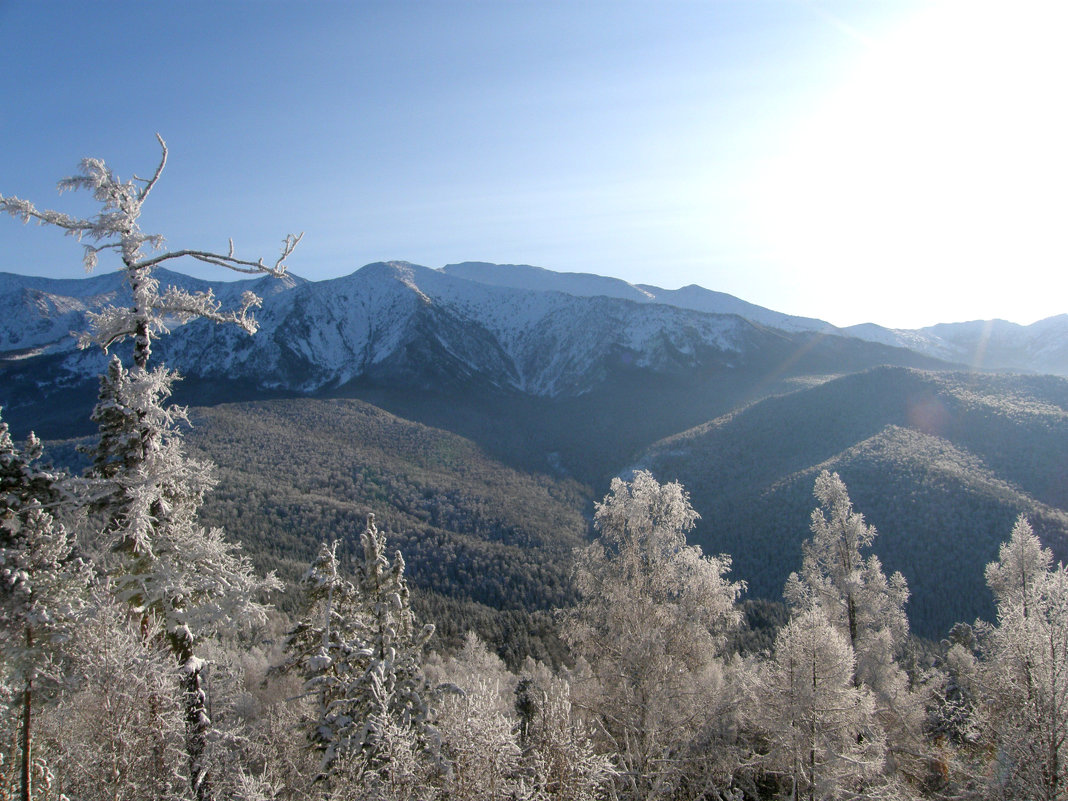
(512, 330)
(514, 327)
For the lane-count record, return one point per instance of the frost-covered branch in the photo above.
(116, 228)
(231, 262)
(151, 182)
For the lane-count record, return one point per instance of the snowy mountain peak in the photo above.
(692, 297)
(525, 276)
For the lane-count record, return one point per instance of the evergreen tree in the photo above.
(323, 646)
(162, 561)
(392, 646)
(852, 591)
(168, 567)
(358, 648)
(23, 478)
(41, 585)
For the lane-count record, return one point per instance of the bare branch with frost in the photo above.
(116, 228)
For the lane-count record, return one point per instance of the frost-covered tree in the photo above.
(166, 565)
(479, 741)
(651, 623)
(117, 732)
(1025, 671)
(511, 737)
(400, 770)
(557, 748)
(852, 590)
(22, 476)
(867, 608)
(41, 585)
(161, 560)
(359, 650)
(1021, 562)
(823, 739)
(958, 752)
(324, 646)
(392, 646)
(475, 720)
(115, 228)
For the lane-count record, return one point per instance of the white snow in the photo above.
(535, 330)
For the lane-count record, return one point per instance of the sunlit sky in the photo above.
(894, 162)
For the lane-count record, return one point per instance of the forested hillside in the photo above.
(477, 535)
(940, 463)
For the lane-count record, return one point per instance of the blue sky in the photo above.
(895, 162)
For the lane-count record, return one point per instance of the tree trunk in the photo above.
(197, 722)
(27, 707)
(812, 737)
(142, 338)
(27, 710)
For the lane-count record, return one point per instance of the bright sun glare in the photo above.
(938, 169)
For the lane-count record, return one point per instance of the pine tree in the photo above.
(852, 590)
(322, 647)
(359, 650)
(41, 584)
(167, 566)
(162, 561)
(400, 770)
(392, 646)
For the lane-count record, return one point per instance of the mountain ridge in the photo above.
(38, 313)
(389, 320)
(941, 463)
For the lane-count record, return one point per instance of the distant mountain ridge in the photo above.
(401, 324)
(693, 297)
(37, 314)
(1041, 347)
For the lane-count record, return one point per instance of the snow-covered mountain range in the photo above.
(980, 344)
(515, 328)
